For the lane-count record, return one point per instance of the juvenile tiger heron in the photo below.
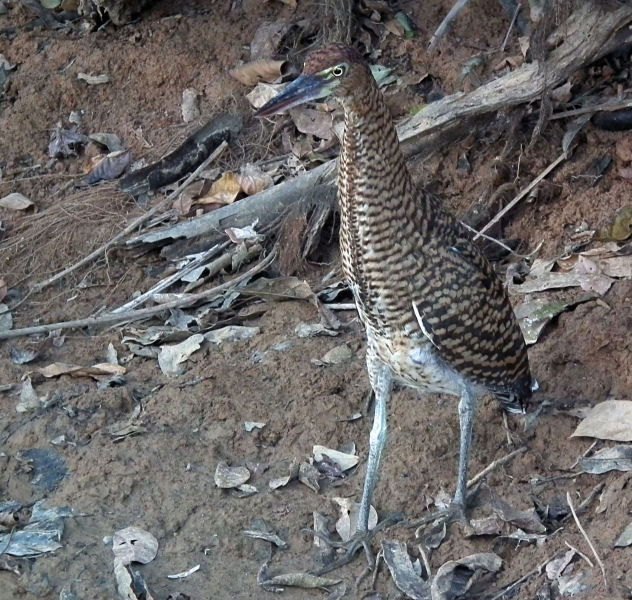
(437, 317)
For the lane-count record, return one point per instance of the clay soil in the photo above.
(162, 478)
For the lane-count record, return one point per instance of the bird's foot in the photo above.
(454, 513)
(352, 546)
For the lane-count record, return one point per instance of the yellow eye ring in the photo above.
(337, 71)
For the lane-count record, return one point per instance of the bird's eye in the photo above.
(337, 71)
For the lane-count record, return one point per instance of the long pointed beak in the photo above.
(301, 90)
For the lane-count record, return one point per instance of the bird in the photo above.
(436, 315)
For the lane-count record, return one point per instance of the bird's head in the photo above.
(335, 70)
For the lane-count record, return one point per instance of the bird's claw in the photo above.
(353, 545)
(454, 513)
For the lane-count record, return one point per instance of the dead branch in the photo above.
(135, 315)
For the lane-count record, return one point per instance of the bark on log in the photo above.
(592, 32)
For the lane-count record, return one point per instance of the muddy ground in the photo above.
(162, 478)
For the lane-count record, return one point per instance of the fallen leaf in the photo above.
(280, 288)
(250, 425)
(232, 333)
(609, 420)
(253, 180)
(171, 358)
(525, 519)
(109, 167)
(64, 143)
(94, 79)
(16, 201)
(282, 481)
(404, 572)
(453, 578)
(130, 585)
(267, 38)
(313, 122)
(262, 93)
(243, 234)
(111, 141)
(347, 523)
(230, 477)
(308, 330)
(184, 574)
(254, 71)
(95, 371)
(342, 459)
(223, 191)
(339, 354)
(618, 458)
(625, 538)
(29, 400)
(134, 544)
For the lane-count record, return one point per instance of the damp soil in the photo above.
(162, 479)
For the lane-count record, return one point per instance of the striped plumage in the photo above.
(436, 315)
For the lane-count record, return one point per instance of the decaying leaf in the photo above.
(405, 573)
(268, 536)
(21, 357)
(16, 201)
(335, 356)
(109, 167)
(281, 288)
(130, 584)
(97, 371)
(267, 38)
(625, 538)
(64, 143)
(313, 122)
(110, 140)
(238, 235)
(230, 477)
(171, 358)
(346, 524)
(223, 191)
(254, 71)
(29, 400)
(232, 333)
(555, 567)
(342, 459)
(486, 526)
(262, 93)
(617, 458)
(301, 580)
(134, 544)
(453, 579)
(94, 79)
(621, 227)
(282, 481)
(525, 519)
(253, 180)
(307, 330)
(433, 538)
(250, 425)
(43, 532)
(609, 420)
(309, 475)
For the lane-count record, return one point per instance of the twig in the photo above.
(526, 576)
(590, 562)
(590, 544)
(511, 25)
(443, 27)
(134, 315)
(562, 157)
(588, 500)
(494, 465)
(134, 224)
(605, 107)
(167, 281)
(504, 246)
(583, 455)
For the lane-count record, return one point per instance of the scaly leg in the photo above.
(382, 383)
(467, 412)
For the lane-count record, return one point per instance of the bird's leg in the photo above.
(467, 411)
(382, 383)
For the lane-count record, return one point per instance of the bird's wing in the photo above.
(462, 308)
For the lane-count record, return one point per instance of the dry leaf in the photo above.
(313, 122)
(253, 180)
(453, 578)
(404, 572)
(262, 93)
(618, 458)
(267, 38)
(230, 477)
(344, 460)
(252, 72)
(94, 79)
(16, 201)
(347, 523)
(232, 333)
(609, 420)
(625, 539)
(335, 356)
(29, 400)
(223, 191)
(171, 357)
(134, 544)
(109, 167)
(95, 371)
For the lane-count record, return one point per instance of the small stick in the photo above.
(511, 25)
(605, 107)
(134, 315)
(443, 27)
(590, 544)
(588, 500)
(494, 465)
(167, 281)
(590, 562)
(134, 224)
(562, 157)
(526, 576)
